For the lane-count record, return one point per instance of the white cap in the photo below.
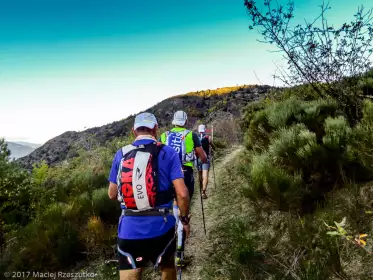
(145, 120)
(201, 128)
(180, 118)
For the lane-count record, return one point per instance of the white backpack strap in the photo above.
(184, 133)
(139, 180)
(191, 155)
(127, 149)
(167, 136)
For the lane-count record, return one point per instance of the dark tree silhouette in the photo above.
(330, 59)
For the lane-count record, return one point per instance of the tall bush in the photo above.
(329, 59)
(302, 149)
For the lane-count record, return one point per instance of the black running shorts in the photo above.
(139, 252)
(189, 179)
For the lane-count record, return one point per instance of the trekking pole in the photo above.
(213, 170)
(181, 260)
(200, 192)
(212, 158)
(179, 256)
(179, 270)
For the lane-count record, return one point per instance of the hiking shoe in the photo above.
(187, 260)
(181, 260)
(182, 263)
(204, 196)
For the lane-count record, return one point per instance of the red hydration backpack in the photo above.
(138, 178)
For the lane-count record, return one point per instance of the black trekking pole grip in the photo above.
(200, 195)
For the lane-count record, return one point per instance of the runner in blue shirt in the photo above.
(144, 177)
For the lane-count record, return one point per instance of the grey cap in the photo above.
(145, 120)
(180, 118)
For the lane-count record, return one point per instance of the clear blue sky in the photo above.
(71, 64)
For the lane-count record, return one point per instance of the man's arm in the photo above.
(201, 154)
(198, 148)
(113, 187)
(177, 178)
(182, 193)
(113, 191)
(182, 196)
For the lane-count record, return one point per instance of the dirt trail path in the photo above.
(197, 244)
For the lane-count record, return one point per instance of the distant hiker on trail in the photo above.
(203, 168)
(144, 177)
(186, 143)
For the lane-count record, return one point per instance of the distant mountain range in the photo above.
(32, 145)
(20, 149)
(209, 106)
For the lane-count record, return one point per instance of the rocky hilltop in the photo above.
(209, 106)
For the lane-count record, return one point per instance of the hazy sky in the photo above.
(70, 64)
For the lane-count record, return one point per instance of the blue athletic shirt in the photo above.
(149, 226)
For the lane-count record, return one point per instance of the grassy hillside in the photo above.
(300, 194)
(252, 242)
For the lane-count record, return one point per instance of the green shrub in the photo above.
(108, 210)
(304, 92)
(272, 183)
(300, 150)
(259, 242)
(97, 238)
(50, 240)
(54, 239)
(220, 144)
(15, 193)
(250, 110)
(366, 85)
(59, 200)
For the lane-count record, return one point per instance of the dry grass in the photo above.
(212, 92)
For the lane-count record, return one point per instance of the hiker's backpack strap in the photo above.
(184, 134)
(167, 133)
(139, 180)
(187, 156)
(127, 149)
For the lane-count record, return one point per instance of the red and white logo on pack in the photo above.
(137, 176)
